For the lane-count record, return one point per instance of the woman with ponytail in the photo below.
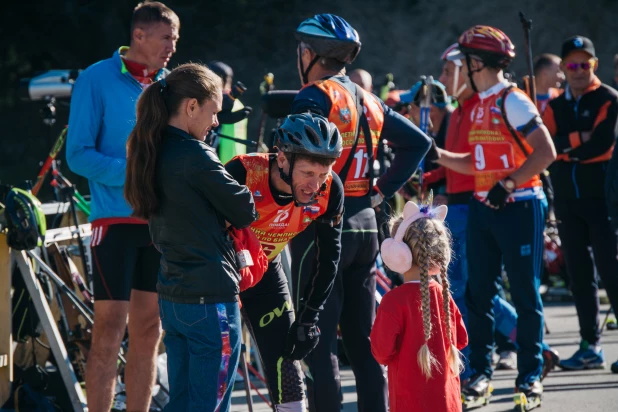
(418, 331)
(176, 182)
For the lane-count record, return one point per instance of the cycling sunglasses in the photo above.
(584, 66)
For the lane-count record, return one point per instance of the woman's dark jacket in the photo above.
(197, 194)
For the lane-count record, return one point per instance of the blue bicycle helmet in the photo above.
(310, 135)
(328, 36)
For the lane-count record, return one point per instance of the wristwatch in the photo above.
(509, 184)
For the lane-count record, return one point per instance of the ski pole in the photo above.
(48, 162)
(246, 142)
(425, 106)
(81, 306)
(80, 202)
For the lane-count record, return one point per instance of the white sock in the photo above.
(298, 406)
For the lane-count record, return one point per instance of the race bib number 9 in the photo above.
(493, 157)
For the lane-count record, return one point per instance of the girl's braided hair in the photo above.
(430, 243)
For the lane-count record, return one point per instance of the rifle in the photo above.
(530, 86)
(266, 86)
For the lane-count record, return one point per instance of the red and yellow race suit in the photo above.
(277, 225)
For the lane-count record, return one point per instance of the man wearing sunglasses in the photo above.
(583, 124)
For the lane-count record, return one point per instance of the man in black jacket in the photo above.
(583, 122)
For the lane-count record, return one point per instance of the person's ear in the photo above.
(596, 64)
(139, 35)
(281, 160)
(308, 54)
(192, 107)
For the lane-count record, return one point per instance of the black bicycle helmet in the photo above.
(26, 220)
(309, 134)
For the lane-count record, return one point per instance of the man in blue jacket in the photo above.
(125, 263)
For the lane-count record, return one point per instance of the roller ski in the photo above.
(476, 392)
(528, 396)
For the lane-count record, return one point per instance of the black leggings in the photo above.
(351, 305)
(267, 308)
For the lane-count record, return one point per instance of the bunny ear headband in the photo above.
(395, 253)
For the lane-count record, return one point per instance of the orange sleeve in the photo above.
(575, 139)
(549, 121)
(602, 114)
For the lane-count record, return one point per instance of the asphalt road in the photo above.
(565, 391)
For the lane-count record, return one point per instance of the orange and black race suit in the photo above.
(343, 115)
(277, 224)
(352, 302)
(268, 306)
(334, 98)
(279, 220)
(495, 153)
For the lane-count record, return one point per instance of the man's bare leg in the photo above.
(110, 322)
(144, 335)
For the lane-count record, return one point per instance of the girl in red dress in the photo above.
(418, 331)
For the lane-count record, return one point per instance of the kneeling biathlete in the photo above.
(292, 188)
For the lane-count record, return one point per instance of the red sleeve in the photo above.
(434, 175)
(386, 332)
(462, 334)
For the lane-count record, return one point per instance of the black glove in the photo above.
(433, 154)
(496, 198)
(301, 340)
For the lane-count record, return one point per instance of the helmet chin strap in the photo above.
(457, 92)
(287, 178)
(461, 89)
(471, 72)
(305, 73)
